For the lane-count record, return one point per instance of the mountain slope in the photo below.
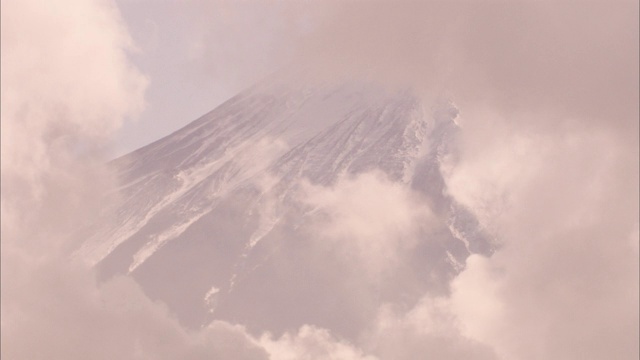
(214, 221)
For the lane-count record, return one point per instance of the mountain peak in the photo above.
(225, 190)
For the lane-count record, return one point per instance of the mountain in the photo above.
(212, 219)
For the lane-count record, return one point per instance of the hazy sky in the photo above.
(517, 54)
(548, 162)
(198, 54)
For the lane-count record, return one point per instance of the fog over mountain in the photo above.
(414, 180)
(256, 199)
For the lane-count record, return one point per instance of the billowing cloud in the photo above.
(311, 343)
(564, 282)
(55, 311)
(66, 87)
(373, 220)
(430, 329)
(548, 158)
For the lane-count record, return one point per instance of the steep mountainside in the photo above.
(213, 219)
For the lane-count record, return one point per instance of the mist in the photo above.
(546, 159)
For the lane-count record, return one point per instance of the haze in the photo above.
(546, 160)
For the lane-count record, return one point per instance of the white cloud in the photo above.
(429, 329)
(311, 343)
(66, 87)
(564, 284)
(56, 311)
(370, 218)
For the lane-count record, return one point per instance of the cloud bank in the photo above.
(568, 266)
(67, 85)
